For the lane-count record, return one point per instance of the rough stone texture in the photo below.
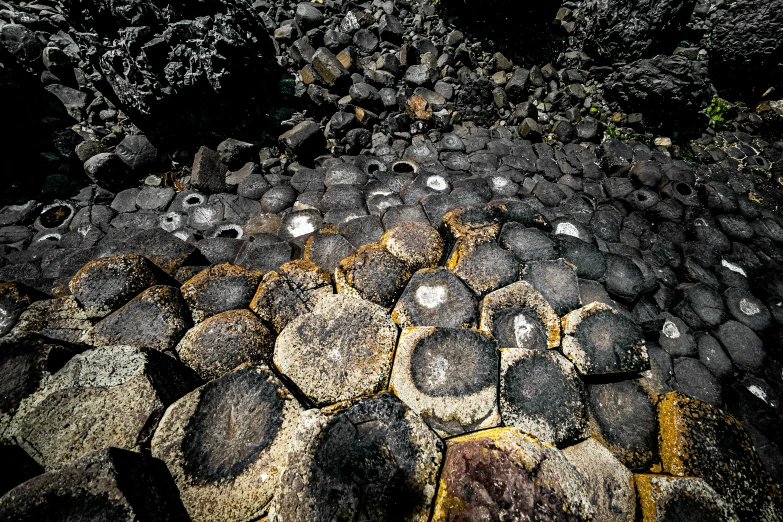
(375, 460)
(102, 397)
(435, 297)
(541, 394)
(225, 444)
(622, 418)
(449, 377)
(290, 292)
(481, 263)
(623, 30)
(699, 440)
(165, 250)
(519, 316)
(220, 288)
(609, 484)
(663, 498)
(504, 473)
(14, 299)
(416, 244)
(464, 222)
(746, 50)
(326, 249)
(104, 285)
(372, 273)
(224, 341)
(341, 350)
(61, 319)
(556, 280)
(156, 318)
(112, 484)
(599, 340)
(671, 88)
(25, 362)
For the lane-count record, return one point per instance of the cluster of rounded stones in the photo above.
(466, 373)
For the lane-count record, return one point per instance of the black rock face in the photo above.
(470, 358)
(619, 30)
(252, 408)
(746, 49)
(185, 72)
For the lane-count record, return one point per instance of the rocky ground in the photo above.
(392, 261)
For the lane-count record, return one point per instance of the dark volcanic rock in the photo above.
(671, 89)
(625, 30)
(218, 439)
(112, 484)
(436, 297)
(102, 397)
(375, 460)
(541, 394)
(746, 49)
(543, 480)
(449, 377)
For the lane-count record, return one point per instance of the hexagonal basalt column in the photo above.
(341, 350)
(449, 376)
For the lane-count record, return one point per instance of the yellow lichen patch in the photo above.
(465, 222)
(520, 295)
(661, 496)
(416, 244)
(372, 273)
(699, 440)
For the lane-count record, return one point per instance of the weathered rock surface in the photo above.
(449, 377)
(218, 289)
(156, 318)
(378, 441)
(100, 398)
(224, 341)
(538, 482)
(111, 484)
(341, 350)
(225, 443)
(541, 394)
(519, 316)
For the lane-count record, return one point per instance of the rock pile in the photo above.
(453, 297)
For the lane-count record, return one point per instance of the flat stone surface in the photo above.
(699, 440)
(156, 318)
(341, 350)
(375, 460)
(482, 264)
(599, 340)
(225, 443)
(224, 341)
(290, 292)
(61, 319)
(416, 244)
(374, 274)
(664, 498)
(26, 362)
(220, 288)
(541, 394)
(609, 484)
(505, 474)
(102, 397)
(104, 285)
(557, 282)
(622, 418)
(449, 377)
(436, 297)
(164, 249)
(326, 249)
(112, 484)
(519, 316)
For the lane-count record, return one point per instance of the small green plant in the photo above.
(719, 111)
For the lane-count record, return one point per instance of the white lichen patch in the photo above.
(431, 296)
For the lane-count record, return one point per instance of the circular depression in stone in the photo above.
(229, 231)
(608, 337)
(238, 416)
(405, 167)
(519, 327)
(55, 215)
(193, 200)
(454, 362)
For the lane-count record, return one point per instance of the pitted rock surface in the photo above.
(375, 460)
(225, 443)
(102, 397)
(341, 350)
